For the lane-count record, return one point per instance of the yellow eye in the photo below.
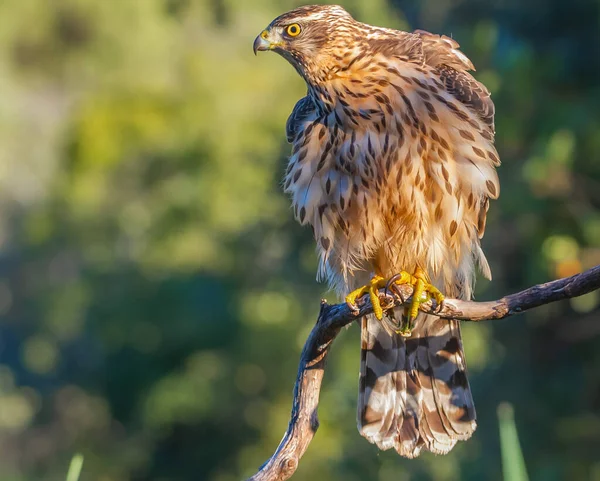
(293, 30)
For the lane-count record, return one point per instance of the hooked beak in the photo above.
(261, 43)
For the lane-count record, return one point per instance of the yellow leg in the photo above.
(372, 288)
(422, 292)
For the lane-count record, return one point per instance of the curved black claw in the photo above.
(390, 282)
(391, 285)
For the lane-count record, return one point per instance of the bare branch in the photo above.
(304, 421)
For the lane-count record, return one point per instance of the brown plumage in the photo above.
(393, 166)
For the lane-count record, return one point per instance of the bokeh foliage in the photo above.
(155, 292)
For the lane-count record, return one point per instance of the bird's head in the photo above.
(309, 37)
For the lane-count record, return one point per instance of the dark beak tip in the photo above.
(256, 45)
(260, 44)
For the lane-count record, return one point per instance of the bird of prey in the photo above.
(393, 165)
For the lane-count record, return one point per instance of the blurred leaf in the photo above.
(75, 468)
(513, 463)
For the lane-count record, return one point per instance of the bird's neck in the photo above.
(345, 83)
(334, 76)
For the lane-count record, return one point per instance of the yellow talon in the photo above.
(417, 295)
(376, 283)
(422, 292)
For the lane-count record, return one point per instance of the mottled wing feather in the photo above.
(303, 109)
(475, 96)
(442, 50)
(408, 46)
(452, 66)
(470, 92)
(482, 216)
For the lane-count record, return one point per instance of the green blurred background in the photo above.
(155, 292)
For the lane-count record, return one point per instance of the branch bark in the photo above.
(304, 421)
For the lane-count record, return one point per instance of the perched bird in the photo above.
(393, 165)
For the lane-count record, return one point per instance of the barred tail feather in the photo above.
(413, 392)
